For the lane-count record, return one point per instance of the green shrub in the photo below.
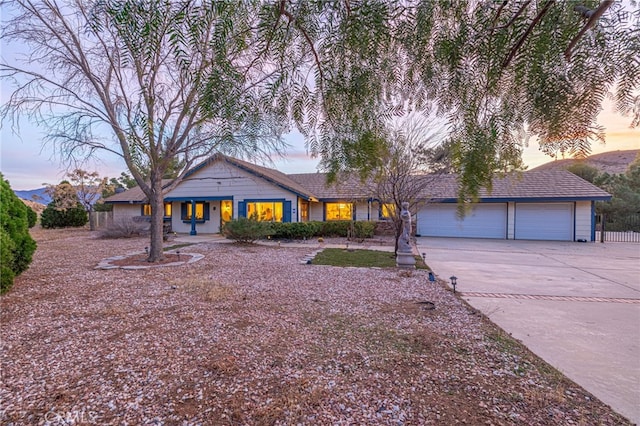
(302, 230)
(7, 248)
(337, 228)
(16, 245)
(364, 229)
(32, 216)
(52, 217)
(246, 230)
(295, 230)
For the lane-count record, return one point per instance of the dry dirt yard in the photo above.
(250, 336)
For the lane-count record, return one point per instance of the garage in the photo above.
(485, 220)
(544, 221)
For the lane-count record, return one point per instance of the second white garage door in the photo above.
(548, 221)
(482, 221)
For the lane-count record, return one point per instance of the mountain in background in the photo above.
(38, 195)
(612, 162)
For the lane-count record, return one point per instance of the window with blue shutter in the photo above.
(202, 212)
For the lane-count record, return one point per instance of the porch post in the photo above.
(193, 218)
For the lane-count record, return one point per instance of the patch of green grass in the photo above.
(357, 258)
(360, 258)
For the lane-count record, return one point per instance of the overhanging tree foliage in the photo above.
(179, 80)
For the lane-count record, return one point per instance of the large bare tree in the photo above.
(155, 82)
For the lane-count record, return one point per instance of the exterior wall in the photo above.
(583, 219)
(125, 211)
(362, 210)
(223, 181)
(316, 211)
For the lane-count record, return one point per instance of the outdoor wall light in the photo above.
(146, 250)
(454, 281)
(178, 253)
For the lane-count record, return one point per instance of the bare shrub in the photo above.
(125, 228)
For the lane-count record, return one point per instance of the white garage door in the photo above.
(482, 221)
(544, 221)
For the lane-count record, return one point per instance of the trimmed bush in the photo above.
(337, 228)
(295, 230)
(7, 248)
(53, 217)
(347, 228)
(16, 245)
(32, 217)
(364, 229)
(246, 230)
(302, 230)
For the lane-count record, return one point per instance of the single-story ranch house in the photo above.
(545, 205)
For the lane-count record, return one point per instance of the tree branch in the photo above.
(592, 16)
(523, 38)
(309, 42)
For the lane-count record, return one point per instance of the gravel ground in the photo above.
(249, 335)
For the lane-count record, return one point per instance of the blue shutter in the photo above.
(207, 207)
(287, 211)
(242, 209)
(354, 211)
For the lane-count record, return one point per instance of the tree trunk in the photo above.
(156, 200)
(92, 220)
(397, 231)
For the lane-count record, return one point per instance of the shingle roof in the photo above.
(345, 188)
(533, 185)
(545, 184)
(133, 195)
(556, 184)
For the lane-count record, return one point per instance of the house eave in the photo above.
(526, 199)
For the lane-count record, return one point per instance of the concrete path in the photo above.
(576, 305)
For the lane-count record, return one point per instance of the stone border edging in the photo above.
(105, 264)
(309, 258)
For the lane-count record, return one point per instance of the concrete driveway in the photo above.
(576, 305)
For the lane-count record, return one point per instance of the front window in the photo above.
(199, 211)
(265, 211)
(339, 211)
(146, 210)
(226, 208)
(387, 210)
